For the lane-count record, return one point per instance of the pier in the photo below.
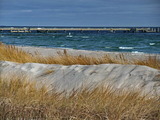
(78, 29)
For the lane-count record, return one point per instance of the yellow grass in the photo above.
(11, 53)
(21, 99)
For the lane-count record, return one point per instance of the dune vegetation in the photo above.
(11, 53)
(21, 99)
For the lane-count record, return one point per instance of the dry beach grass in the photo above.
(21, 99)
(11, 53)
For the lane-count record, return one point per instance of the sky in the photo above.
(105, 13)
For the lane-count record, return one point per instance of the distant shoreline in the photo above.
(41, 29)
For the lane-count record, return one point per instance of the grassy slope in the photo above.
(11, 53)
(21, 99)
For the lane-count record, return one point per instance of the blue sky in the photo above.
(80, 12)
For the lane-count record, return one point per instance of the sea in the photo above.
(112, 42)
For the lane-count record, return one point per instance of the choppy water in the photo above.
(121, 42)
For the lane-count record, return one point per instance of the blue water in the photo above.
(121, 42)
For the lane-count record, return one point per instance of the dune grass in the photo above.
(21, 99)
(11, 53)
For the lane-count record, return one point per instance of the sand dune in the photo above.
(67, 78)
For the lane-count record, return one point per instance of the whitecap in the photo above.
(85, 36)
(69, 36)
(126, 47)
(136, 52)
(2, 36)
(152, 43)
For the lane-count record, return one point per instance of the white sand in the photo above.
(67, 78)
(73, 77)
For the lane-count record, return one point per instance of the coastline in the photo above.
(46, 51)
(69, 77)
(28, 86)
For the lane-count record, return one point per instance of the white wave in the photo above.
(69, 36)
(85, 36)
(136, 52)
(126, 47)
(152, 43)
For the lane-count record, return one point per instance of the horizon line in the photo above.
(71, 26)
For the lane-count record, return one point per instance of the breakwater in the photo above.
(78, 29)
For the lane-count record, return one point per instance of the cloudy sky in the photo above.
(80, 12)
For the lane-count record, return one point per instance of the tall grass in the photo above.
(21, 99)
(11, 53)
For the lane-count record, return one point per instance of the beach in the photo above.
(79, 60)
(49, 79)
(67, 78)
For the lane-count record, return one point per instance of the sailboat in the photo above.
(69, 35)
